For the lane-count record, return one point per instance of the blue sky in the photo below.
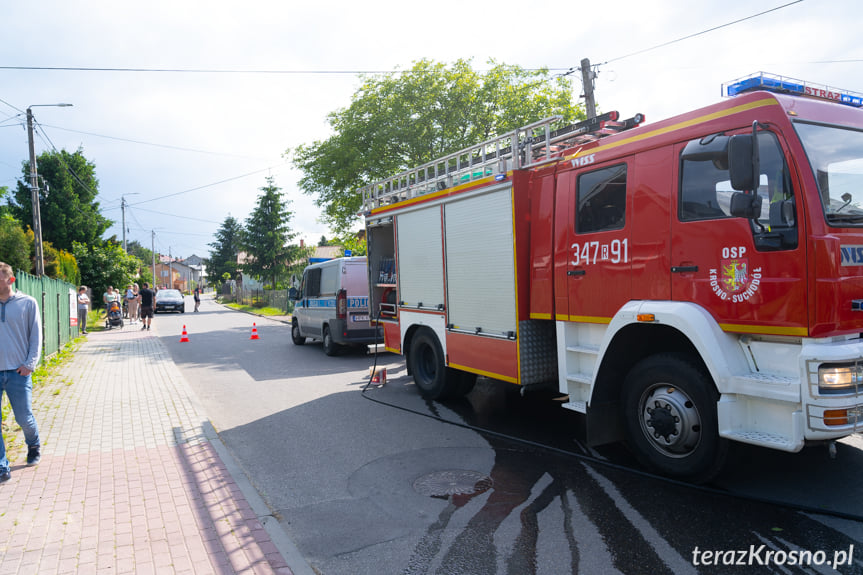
(209, 140)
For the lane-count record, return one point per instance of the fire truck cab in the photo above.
(686, 283)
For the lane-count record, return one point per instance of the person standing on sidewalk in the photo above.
(132, 303)
(197, 298)
(83, 308)
(21, 334)
(147, 298)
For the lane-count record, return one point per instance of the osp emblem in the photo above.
(734, 280)
(735, 275)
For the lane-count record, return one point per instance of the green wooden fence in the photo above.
(58, 307)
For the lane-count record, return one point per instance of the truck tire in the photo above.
(427, 366)
(463, 381)
(295, 334)
(669, 413)
(331, 348)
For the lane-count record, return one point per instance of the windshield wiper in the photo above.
(846, 218)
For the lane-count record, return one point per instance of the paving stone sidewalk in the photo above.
(129, 480)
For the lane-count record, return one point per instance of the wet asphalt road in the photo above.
(362, 486)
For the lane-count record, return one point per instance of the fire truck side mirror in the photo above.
(746, 205)
(710, 149)
(743, 162)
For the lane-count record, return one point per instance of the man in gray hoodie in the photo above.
(21, 334)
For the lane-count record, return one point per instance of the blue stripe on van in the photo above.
(330, 302)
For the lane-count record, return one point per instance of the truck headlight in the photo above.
(840, 378)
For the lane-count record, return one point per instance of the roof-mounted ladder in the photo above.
(528, 146)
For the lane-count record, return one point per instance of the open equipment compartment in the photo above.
(383, 281)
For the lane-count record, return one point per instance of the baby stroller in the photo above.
(115, 315)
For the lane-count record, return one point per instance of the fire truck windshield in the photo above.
(836, 156)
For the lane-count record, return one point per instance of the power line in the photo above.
(227, 71)
(700, 33)
(205, 186)
(148, 143)
(176, 216)
(2, 101)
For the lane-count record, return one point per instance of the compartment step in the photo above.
(583, 378)
(579, 406)
(585, 349)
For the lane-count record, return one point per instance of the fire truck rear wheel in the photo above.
(428, 368)
(669, 412)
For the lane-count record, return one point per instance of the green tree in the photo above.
(135, 248)
(67, 199)
(104, 265)
(266, 235)
(65, 267)
(357, 245)
(14, 247)
(396, 122)
(5, 208)
(223, 256)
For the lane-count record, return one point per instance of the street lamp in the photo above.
(34, 190)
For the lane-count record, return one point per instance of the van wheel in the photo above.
(331, 348)
(669, 412)
(295, 334)
(427, 367)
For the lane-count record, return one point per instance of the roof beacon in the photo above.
(784, 85)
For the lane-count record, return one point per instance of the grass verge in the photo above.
(265, 311)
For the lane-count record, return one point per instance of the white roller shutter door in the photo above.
(420, 258)
(480, 263)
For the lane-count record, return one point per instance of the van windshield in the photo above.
(836, 157)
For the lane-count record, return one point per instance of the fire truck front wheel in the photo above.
(669, 412)
(428, 368)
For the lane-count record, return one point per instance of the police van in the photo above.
(332, 305)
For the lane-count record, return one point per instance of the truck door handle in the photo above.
(576, 272)
(683, 269)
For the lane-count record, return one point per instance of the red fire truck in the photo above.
(686, 283)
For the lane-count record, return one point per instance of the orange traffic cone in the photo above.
(254, 332)
(185, 336)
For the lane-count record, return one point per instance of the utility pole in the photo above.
(123, 205)
(587, 77)
(153, 251)
(123, 210)
(34, 190)
(34, 198)
(170, 269)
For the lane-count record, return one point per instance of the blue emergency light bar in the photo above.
(783, 85)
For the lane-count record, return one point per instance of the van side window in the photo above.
(329, 283)
(312, 283)
(705, 194)
(601, 200)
